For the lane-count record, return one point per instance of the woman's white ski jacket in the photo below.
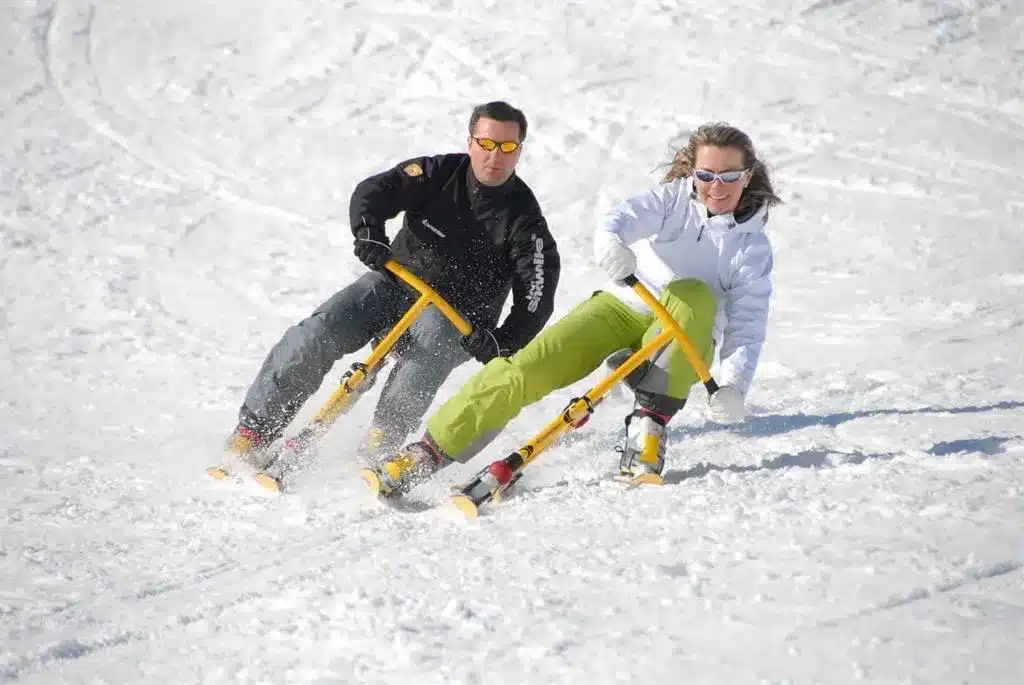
(674, 238)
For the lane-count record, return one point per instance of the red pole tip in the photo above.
(501, 472)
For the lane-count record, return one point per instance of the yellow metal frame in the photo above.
(582, 407)
(485, 487)
(341, 398)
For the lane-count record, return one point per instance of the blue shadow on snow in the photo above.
(815, 459)
(777, 424)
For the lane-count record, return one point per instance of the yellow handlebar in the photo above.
(680, 336)
(424, 289)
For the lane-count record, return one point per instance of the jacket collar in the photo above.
(480, 193)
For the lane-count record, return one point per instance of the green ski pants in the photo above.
(564, 353)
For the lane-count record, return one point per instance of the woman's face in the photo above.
(717, 195)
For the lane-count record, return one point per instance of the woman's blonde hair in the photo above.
(720, 134)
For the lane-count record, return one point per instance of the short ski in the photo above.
(637, 481)
(286, 459)
(489, 486)
(264, 480)
(372, 480)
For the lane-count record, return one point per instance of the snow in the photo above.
(174, 180)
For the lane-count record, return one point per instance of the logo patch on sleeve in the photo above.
(413, 169)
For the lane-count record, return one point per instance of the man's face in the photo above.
(493, 167)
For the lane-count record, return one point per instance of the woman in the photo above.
(697, 242)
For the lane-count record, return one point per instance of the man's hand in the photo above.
(482, 345)
(372, 246)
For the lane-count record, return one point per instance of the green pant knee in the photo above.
(479, 409)
(694, 292)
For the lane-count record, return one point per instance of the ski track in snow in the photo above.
(175, 193)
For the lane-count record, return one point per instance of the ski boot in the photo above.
(643, 456)
(290, 458)
(377, 443)
(245, 450)
(397, 475)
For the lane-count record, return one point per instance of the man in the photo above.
(472, 230)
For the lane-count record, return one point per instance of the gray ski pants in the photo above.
(366, 309)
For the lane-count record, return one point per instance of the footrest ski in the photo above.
(648, 479)
(371, 477)
(218, 473)
(372, 480)
(637, 481)
(267, 482)
(489, 485)
(465, 506)
(264, 480)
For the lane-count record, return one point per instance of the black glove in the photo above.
(482, 344)
(372, 246)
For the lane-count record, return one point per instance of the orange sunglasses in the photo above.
(506, 146)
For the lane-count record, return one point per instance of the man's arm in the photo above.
(406, 186)
(536, 268)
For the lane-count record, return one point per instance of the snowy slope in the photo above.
(174, 180)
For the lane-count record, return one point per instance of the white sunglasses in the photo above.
(708, 176)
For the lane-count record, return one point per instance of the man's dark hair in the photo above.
(499, 111)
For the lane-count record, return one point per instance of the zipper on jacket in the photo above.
(704, 224)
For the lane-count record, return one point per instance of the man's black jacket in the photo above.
(472, 243)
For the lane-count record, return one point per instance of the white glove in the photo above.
(618, 261)
(727, 405)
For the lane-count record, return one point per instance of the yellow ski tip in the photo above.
(268, 483)
(372, 481)
(648, 479)
(629, 481)
(218, 472)
(465, 505)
